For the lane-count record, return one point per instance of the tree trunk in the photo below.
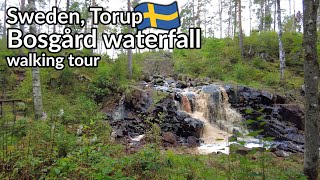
(56, 5)
(229, 19)
(281, 50)
(240, 30)
(294, 16)
(275, 16)
(261, 25)
(220, 17)
(92, 26)
(198, 14)
(129, 50)
(235, 19)
(193, 14)
(36, 85)
(22, 7)
(311, 75)
(86, 17)
(290, 9)
(205, 23)
(68, 5)
(4, 20)
(37, 97)
(250, 17)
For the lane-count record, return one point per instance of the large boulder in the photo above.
(169, 137)
(193, 126)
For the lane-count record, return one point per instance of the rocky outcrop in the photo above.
(141, 111)
(226, 106)
(292, 113)
(270, 113)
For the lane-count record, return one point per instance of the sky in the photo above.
(115, 5)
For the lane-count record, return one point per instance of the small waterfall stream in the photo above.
(210, 104)
(120, 112)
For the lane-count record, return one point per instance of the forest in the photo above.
(243, 106)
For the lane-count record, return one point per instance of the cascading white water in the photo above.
(210, 104)
(120, 112)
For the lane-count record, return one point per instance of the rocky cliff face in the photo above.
(189, 107)
(270, 113)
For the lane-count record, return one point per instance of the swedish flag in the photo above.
(159, 16)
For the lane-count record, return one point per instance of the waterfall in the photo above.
(119, 114)
(210, 104)
(185, 104)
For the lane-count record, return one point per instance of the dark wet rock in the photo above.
(266, 98)
(193, 141)
(281, 153)
(280, 99)
(266, 111)
(293, 114)
(182, 84)
(169, 137)
(119, 133)
(193, 126)
(139, 100)
(182, 115)
(290, 147)
(296, 138)
(211, 89)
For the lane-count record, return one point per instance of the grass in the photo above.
(56, 152)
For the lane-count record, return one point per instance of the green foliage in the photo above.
(112, 77)
(220, 59)
(52, 150)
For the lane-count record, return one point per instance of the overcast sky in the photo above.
(115, 5)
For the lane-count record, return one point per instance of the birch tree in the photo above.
(220, 17)
(311, 75)
(54, 26)
(5, 19)
(22, 7)
(129, 50)
(240, 29)
(250, 17)
(36, 85)
(281, 50)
